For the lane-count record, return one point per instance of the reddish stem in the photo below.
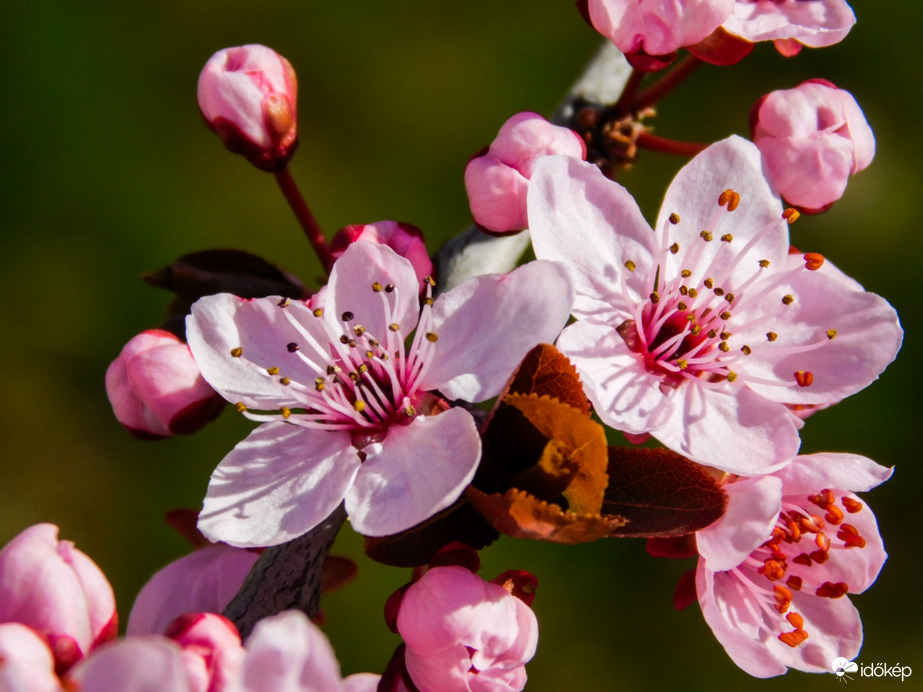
(668, 146)
(303, 214)
(624, 105)
(667, 83)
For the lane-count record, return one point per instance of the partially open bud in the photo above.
(404, 238)
(497, 180)
(58, 591)
(248, 98)
(156, 389)
(812, 138)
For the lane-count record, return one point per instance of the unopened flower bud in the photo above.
(404, 238)
(58, 591)
(248, 98)
(156, 389)
(498, 180)
(812, 138)
(26, 663)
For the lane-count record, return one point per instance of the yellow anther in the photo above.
(712, 334)
(682, 307)
(285, 381)
(831, 333)
(719, 291)
(725, 315)
(682, 363)
(240, 407)
(394, 326)
(731, 375)
(376, 287)
(284, 303)
(709, 283)
(746, 350)
(791, 215)
(237, 352)
(725, 335)
(772, 336)
(693, 293)
(674, 248)
(273, 370)
(729, 198)
(723, 347)
(706, 236)
(727, 238)
(788, 299)
(764, 263)
(685, 273)
(630, 266)
(432, 337)
(359, 406)
(674, 218)
(318, 312)
(655, 297)
(286, 411)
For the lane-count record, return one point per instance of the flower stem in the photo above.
(667, 83)
(303, 214)
(668, 146)
(623, 106)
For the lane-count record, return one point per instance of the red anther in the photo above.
(813, 261)
(820, 556)
(794, 532)
(852, 506)
(791, 215)
(823, 499)
(795, 620)
(849, 534)
(777, 534)
(803, 559)
(782, 595)
(729, 198)
(793, 639)
(834, 515)
(811, 524)
(794, 583)
(773, 570)
(831, 590)
(822, 542)
(804, 378)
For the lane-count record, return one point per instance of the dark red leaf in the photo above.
(660, 493)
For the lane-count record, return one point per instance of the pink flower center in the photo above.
(367, 382)
(685, 329)
(793, 559)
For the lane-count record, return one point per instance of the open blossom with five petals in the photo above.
(706, 330)
(791, 23)
(812, 138)
(774, 570)
(345, 392)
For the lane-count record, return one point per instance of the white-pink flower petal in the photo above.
(392, 491)
(277, 484)
(816, 23)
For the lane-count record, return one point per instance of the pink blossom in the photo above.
(26, 662)
(248, 97)
(344, 392)
(156, 390)
(702, 331)
(58, 591)
(791, 23)
(135, 664)
(775, 569)
(463, 633)
(404, 238)
(212, 652)
(204, 581)
(657, 27)
(287, 652)
(812, 138)
(498, 180)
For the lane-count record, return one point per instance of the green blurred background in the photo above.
(108, 172)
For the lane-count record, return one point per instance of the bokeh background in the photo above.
(108, 172)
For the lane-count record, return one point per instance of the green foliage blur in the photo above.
(108, 172)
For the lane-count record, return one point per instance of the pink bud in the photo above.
(404, 238)
(156, 389)
(656, 28)
(58, 591)
(248, 97)
(464, 633)
(497, 180)
(135, 664)
(26, 663)
(812, 138)
(211, 646)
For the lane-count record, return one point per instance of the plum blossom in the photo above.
(404, 238)
(791, 23)
(204, 581)
(463, 633)
(656, 27)
(497, 180)
(247, 96)
(704, 331)
(345, 392)
(774, 570)
(26, 662)
(58, 591)
(156, 390)
(812, 138)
